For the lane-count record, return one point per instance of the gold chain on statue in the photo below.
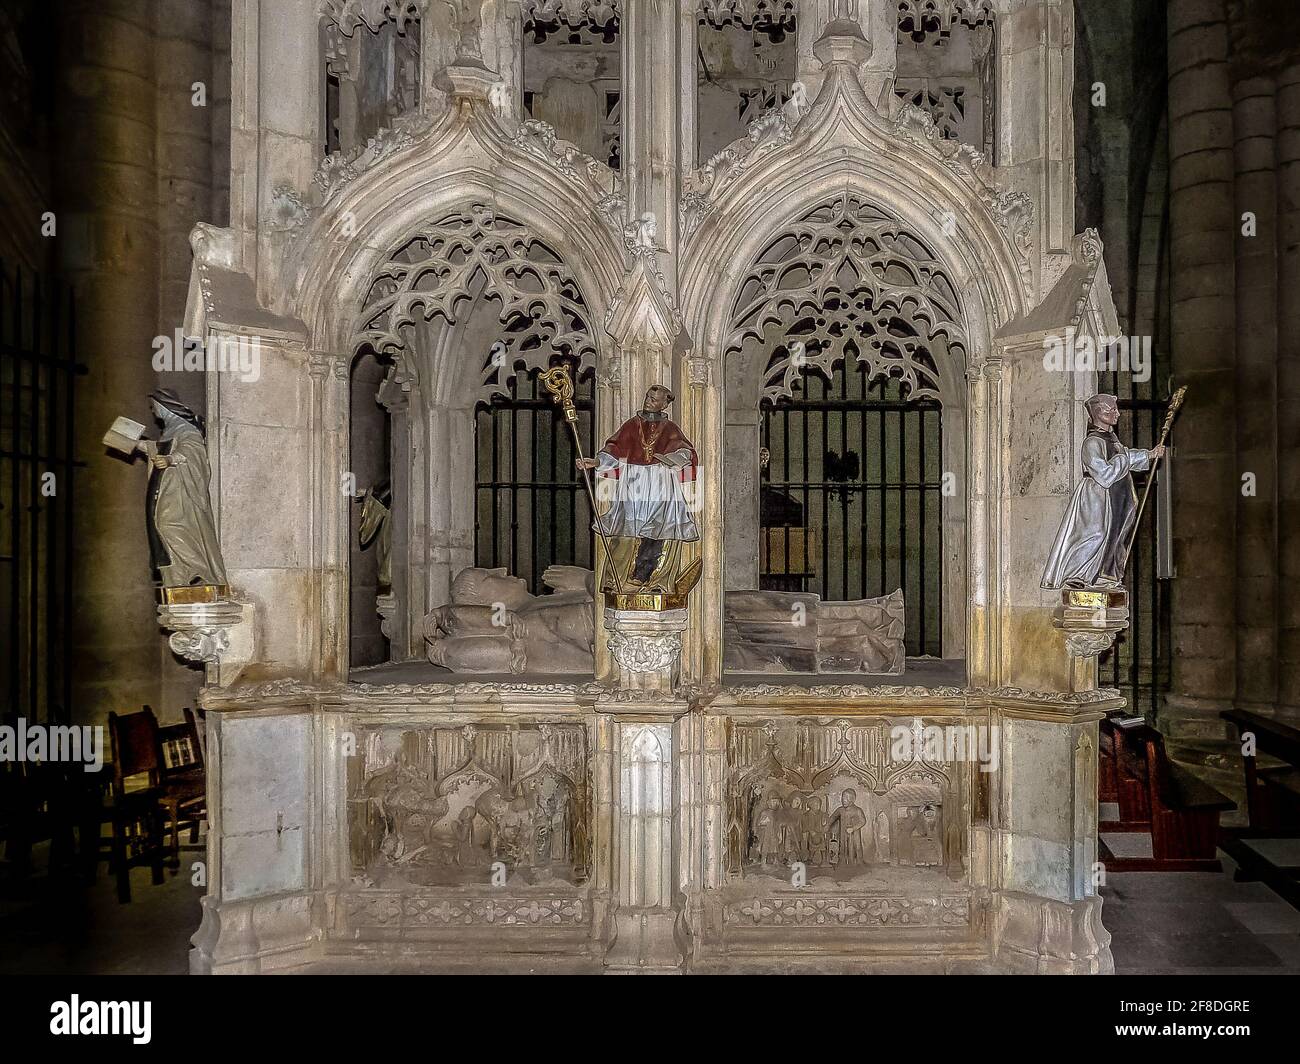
(648, 446)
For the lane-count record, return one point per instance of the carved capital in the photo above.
(645, 653)
(647, 647)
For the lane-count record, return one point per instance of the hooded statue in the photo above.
(1092, 546)
(182, 535)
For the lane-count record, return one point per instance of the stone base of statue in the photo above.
(645, 943)
(216, 633)
(1033, 935)
(647, 648)
(1091, 618)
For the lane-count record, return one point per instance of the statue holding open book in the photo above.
(183, 543)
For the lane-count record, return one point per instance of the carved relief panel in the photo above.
(835, 797)
(469, 805)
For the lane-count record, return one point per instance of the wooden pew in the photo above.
(1184, 812)
(1272, 795)
(1156, 796)
(1128, 770)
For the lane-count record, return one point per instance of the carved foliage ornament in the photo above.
(349, 14)
(930, 19)
(844, 281)
(645, 653)
(449, 266)
(761, 14)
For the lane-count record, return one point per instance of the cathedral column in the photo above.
(108, 246)
(1203, 226)
(1288, 387)
(1254, 121)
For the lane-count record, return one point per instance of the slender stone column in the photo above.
(1203, 224)
(1288, 388)
(1256, 193)
(106, 191)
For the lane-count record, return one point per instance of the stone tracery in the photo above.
(847, 280)
(474, 253)
(931, 19)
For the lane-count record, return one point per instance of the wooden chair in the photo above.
(1162, 799)
(1107, 763)
(1129, 781)
(134, 806)
(184, 781)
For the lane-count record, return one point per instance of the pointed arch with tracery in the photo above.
(847, 281)
(466, 259)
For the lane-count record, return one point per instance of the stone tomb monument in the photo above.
(473, 799)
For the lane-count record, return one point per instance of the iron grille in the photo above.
(851, 500)
(531, 510)
(38, 384)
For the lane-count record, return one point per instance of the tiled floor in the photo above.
(1198, 923)
(1160, 922)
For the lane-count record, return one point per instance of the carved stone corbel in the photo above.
(647, 647)
(1091, 620)
(217, 635)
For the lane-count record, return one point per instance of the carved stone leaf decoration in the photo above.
(349, 14)
(451, 265)
(931, 20)
(645, 653)
(848, 281)
(763, 14)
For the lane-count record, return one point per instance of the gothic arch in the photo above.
(472, 267)
(470, 157)
(847, 281)
(740, 202)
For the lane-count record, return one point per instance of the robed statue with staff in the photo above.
(646, 472)
(1096, 535)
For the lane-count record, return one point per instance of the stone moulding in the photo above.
(603, 185)
(340, 169)
(474, 695)
(772, 129)
(406, 911)
(840, 911)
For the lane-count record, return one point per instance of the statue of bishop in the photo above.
(647, 466)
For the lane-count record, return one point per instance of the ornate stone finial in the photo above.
(843, 40)
(467, 15)
(468, 77)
